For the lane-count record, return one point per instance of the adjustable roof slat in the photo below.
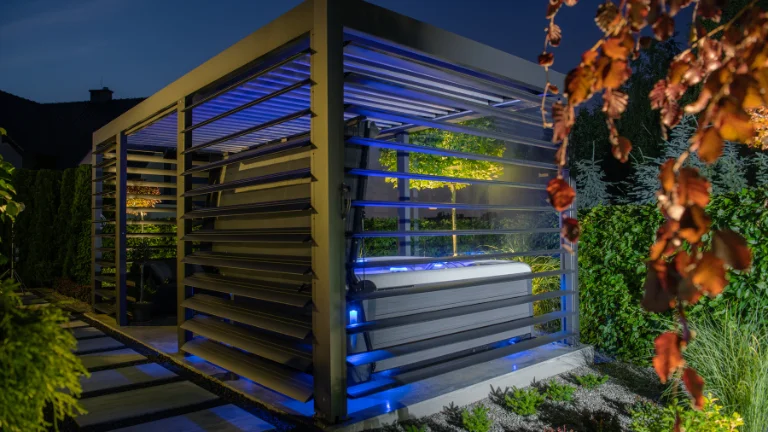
(442, 233)
(273, 236)
(437, 366)
(265, 263)
(262, 151)
(264, 317)
(262, 208)
(271, 375)
(459, 258)
(445, 179)
(275, 292)
(358, 359)
(265, 180)
(444, 205)
(293, 355)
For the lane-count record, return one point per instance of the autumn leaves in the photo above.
(728, 67)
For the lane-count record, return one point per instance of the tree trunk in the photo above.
(453, 221)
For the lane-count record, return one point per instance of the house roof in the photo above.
(56, 135)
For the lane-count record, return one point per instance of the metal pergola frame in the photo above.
(324, 31)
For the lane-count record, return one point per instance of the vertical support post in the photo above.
(121, 180)
(327, 165)
(569, 262)
(183, 226)
(96, 203)
(404, 194)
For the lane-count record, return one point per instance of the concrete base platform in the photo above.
(407, 402)
(463, 387)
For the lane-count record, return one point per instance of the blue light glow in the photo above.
(389, 408)
(353, 316)
(398, 269)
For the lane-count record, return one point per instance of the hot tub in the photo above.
(384, 278)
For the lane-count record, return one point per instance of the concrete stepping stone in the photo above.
(226, 418)
(125, 376)
(86, 332)
(98, 344)
(110, 358)
(74, 324)
(145, 401)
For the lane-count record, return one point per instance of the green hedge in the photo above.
(612, 253)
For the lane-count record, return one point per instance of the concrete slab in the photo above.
(226, 418)
(74, 324)
(97, 344)
(86, 332)
(145, 401)
(125, 376)
(110, 358)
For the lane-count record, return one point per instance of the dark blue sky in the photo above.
(55, 50)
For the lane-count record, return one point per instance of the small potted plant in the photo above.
(142, 308)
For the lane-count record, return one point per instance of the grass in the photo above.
(591, 381)
(734, 364)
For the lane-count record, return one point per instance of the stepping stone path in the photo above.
(127, 392)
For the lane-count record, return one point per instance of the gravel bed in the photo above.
(605, 408)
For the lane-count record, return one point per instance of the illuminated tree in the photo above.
(136, 202)
(420, 163)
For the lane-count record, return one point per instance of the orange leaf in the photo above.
(554, 35)
(618, 47)
(711, 9)
(561, 194)
(655, 297)
(616, 74)
(668, 357)
(571, 229)
(693, 224)
(710, 145)
(589, 57)
(622, 149)
(747, 89)
(693, 188)
(562, 117)
(676, 5)
(554, 89)
(638, 12)
(608, 18)
(695, 385)
(553, 7)
(664, 27)
(546, 59)
(571, 2)
(709, 275)
(671, 113)
(677, 71)
(667, 175)
(578, 85)
(731, 247)
(615, 103)
(734, 123)
(658, 95)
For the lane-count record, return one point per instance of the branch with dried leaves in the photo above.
(732, 74)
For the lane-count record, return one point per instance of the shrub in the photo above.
(37, 366)
(734, 365)
(72, 289)
(559, 392)
(591, 381)
(40, 267)
(477, 420)
(523, 402)
(648, 417)
(415, 428)
(612, 253)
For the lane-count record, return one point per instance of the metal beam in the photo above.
(569, 281)
(96, 203)
(121, 177)
(327, 164)
(183, 226)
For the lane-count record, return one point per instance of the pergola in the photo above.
(270, 148)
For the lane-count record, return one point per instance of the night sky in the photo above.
(55, 50)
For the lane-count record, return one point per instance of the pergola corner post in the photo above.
(183, 226)
(405, 246)
(569, 281)
(121, 180)
(96, 212)
(327, 167)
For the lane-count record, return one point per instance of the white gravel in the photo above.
(604, 409)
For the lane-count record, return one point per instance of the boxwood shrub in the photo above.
(612, 253)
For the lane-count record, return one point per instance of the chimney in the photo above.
(103, 94)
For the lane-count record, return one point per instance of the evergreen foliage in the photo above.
(592, 189)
